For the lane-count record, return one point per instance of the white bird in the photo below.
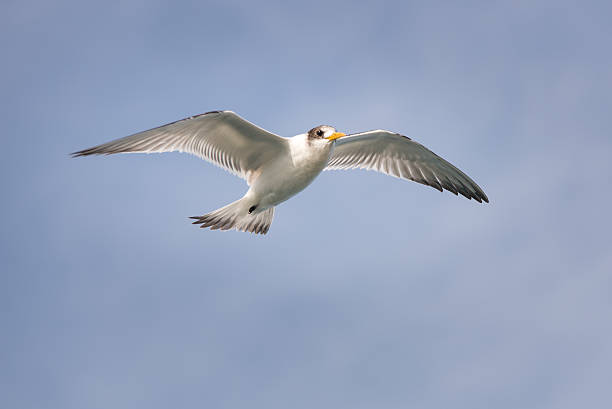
(276, 168)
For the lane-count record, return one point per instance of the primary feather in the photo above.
(400, 156)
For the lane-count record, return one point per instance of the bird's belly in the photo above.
(282, 182)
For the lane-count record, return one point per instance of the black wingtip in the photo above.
(481, 195)
(85, 152)
(198, 219)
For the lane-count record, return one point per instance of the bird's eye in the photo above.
(319, 133)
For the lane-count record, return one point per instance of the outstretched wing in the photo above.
(400, 156)
(220, 137)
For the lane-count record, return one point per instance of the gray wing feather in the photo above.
(220, 137)
(400, 156)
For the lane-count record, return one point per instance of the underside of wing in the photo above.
(220, 137)
(400, 156)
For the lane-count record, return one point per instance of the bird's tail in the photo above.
(240, 215)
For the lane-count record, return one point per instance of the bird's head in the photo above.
(324, 132)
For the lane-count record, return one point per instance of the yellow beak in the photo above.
(335, 135)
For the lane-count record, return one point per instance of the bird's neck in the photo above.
(309, 152)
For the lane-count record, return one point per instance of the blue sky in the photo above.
(368, 292)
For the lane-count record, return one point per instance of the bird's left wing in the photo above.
(220, 137)
(400, 156)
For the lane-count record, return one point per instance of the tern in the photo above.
(276, 168)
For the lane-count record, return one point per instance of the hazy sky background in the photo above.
(368, 292)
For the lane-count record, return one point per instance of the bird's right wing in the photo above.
(400, 156)
(220, 137)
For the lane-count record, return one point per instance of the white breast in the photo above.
(293, 172)
(310, 154)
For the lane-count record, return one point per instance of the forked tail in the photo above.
(236, 215)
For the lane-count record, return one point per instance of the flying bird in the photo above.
(276, 168)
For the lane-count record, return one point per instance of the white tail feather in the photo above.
(236, 216)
